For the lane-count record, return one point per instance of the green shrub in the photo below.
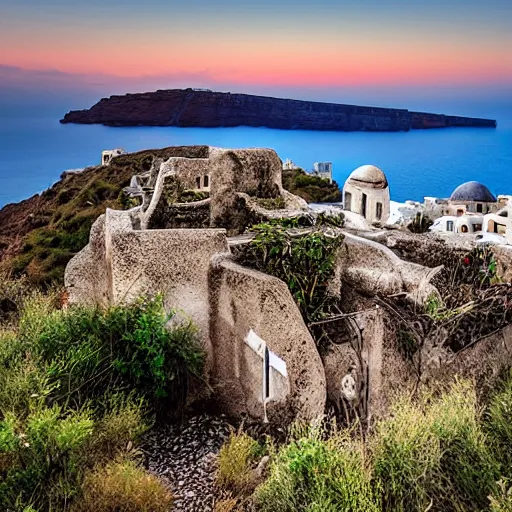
(311, 188)
(91, 351)
(312, 474)
(121, 422)
(434, 453)
(123, 487)
(406, 458)
(306, 264)
(45, 453)
(236, 459)
(467, 464)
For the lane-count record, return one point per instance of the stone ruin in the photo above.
(262, 360)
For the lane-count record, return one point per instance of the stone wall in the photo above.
(243, 300)
(226, 301)
(255, 172)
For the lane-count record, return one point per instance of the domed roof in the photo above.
(472, 191)
(368, 176)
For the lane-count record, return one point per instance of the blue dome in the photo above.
(472, 191)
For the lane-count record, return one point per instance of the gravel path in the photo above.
(186, 456)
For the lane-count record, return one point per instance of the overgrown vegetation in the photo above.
(470, 304)
(78, 388)
(305, 263)
(40, 235)
(440, 451)
(311, 188)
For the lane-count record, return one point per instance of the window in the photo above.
(460, 213)
(198, 182)
(479, 207)
(206, 180)
(348, 201)
(363, 206)
(449, 225)
(378, 211)
(477, 227)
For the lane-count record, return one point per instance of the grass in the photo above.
(39, 236)
(314, 474)
(123, 486)
(78, 388)
(236, 459)
(440, 451)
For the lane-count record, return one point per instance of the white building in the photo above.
(366, 192)
(108, 154)
(323, 170)
(288, 165)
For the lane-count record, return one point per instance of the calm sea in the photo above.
(35, 149)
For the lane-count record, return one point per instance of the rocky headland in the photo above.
(207, 109)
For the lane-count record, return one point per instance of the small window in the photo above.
(348, 201)
(449, 225)
(479, 207)
(477, 227)
(206, 181)
(198, 182)
(378, 211)
(460, 213)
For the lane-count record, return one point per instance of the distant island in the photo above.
(208, 109)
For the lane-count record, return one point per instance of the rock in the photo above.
(188, 107)
(185, 456)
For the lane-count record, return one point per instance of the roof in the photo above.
(472, 191)
(368, 176)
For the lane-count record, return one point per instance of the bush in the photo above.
(318, 475)
(406, 458)
(92, 351)
(306, 264)
(434, 452)
(121, 422)
(44, 457)
(236, 459)
(123, 487)
(77, 390)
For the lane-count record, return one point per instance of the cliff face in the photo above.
(191, 108)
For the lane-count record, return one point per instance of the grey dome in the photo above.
(472, 191)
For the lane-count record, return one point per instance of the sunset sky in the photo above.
(294, 44)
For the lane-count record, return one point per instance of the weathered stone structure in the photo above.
(129, 255)
(261, 357)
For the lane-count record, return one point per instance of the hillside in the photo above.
(203, 108)
(39, 235)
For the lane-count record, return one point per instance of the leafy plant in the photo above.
(305, 264)
(89, 351)
(479, 267)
